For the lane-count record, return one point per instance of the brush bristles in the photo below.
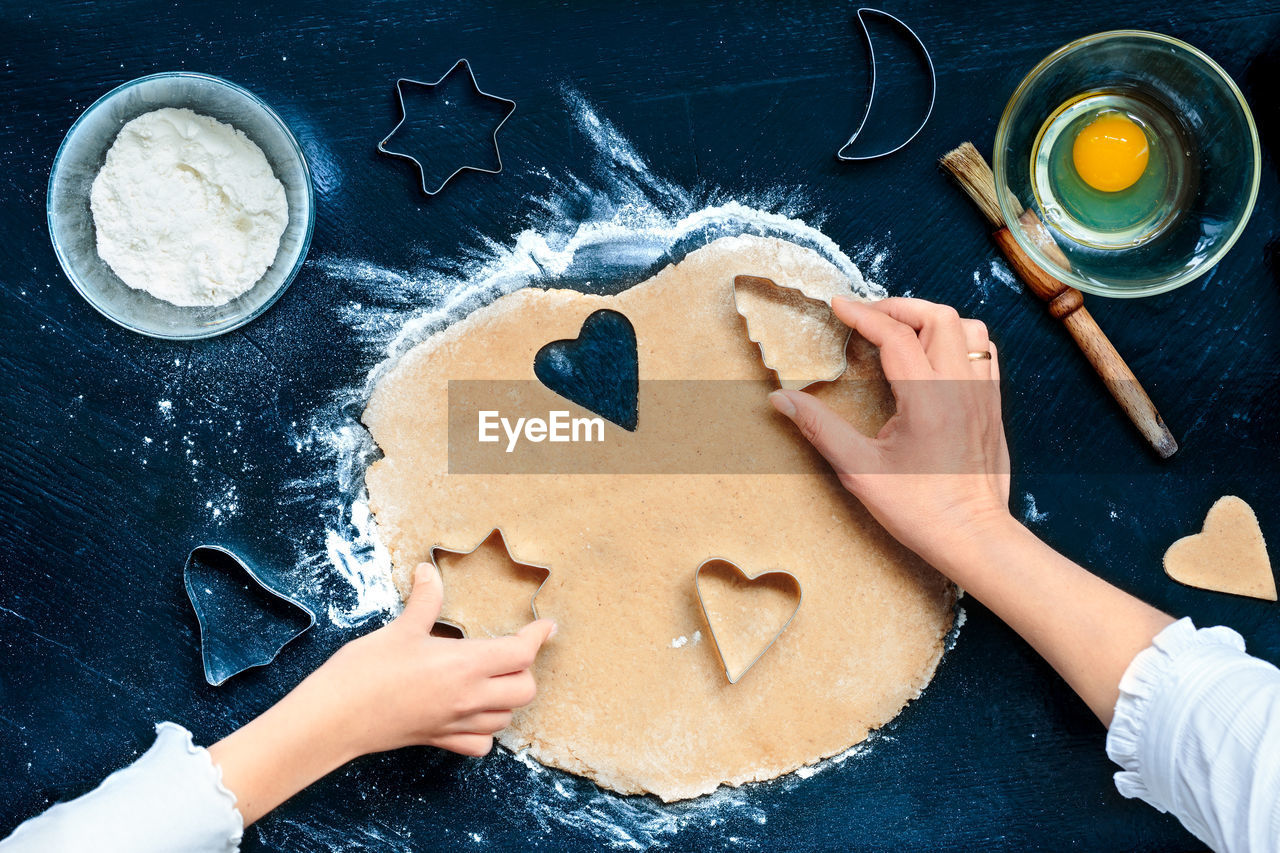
(971, 171)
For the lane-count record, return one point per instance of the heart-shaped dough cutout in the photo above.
(746, 615)
(1229, 555)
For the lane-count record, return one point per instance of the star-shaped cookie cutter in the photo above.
(706, 613)
(502, 538)
(404, 115)
(756, 280)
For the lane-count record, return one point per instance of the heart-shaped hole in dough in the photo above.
(599, 370)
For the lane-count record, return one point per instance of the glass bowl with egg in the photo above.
(162, 251)
(1126, 163)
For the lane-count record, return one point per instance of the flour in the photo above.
(1032, 513)
(187, 208)
(998, 273)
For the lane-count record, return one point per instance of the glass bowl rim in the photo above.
(68, 268)
(1069, 276)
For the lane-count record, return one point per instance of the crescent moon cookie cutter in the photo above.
(402, 83)
(861, 18)
(769, 285)
(502, 539)
(718, 641)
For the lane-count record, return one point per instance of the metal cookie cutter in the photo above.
(871, 97)
(240, 627)
(735, 677)
(497, 531)
(400, 86)
(791, 292)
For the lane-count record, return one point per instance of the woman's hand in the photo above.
(398, 686)
(938, 470)
(937, 477)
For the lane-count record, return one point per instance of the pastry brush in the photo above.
(971, 171)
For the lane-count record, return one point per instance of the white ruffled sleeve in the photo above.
(171, 799)
(1197, 731)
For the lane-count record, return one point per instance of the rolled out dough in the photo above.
(631, 691)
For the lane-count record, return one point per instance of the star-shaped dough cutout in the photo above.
(433, 132)
(487, 591)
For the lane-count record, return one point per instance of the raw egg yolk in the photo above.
(1110, 154)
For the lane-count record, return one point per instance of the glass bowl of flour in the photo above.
(207, 251)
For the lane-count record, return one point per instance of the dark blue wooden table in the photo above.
(98, 641)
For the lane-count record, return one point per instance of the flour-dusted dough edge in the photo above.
(512, 740)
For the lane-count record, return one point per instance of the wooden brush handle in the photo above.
(1067, 304)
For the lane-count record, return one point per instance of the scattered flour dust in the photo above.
(620, 223)
(682, 641)
(996, 277)
(1031, 513)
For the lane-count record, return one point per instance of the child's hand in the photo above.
(398, 686)
(402, 687)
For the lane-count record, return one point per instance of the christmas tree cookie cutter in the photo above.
(744, 282)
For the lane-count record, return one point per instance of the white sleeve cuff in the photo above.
(1197, 731)
(1149, 676)
(172, 798)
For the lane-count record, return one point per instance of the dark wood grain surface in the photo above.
(97, 639)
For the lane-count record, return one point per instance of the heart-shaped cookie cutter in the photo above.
(756, 280)
(706, 613)
(502, 537)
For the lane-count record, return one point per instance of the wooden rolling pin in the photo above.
(1066, 303)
